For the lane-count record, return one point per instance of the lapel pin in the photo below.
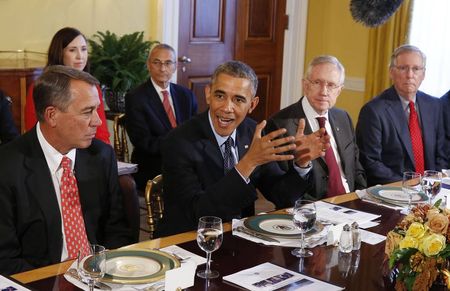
(246, 146)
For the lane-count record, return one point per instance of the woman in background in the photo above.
(68, 47)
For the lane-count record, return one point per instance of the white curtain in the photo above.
(430, 31)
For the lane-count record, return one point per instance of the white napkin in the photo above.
(310, 241)
(366, 197)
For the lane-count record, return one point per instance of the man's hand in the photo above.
(311, 146)
(265, 149)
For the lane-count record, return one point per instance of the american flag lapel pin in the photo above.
(246, 146)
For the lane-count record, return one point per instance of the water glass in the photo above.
(209, 239)
(91, 264)
(304, 218)
(411, 185)
(431, 184)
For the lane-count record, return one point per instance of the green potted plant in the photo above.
(119, 63)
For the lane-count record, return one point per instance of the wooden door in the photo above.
(214, 31)
(206, 38)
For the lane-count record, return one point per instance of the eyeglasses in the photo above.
(159, 64)
(405, 69)
(318, 84)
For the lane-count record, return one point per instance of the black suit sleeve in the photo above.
(8, 130)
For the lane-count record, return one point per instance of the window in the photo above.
(430, 31)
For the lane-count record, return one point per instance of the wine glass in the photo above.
(304, 218)
(431, 183)
(411, 185)
(209, 239)
(91, 264)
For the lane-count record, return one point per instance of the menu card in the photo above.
(267, 277)
(337, 214)
(9, 285)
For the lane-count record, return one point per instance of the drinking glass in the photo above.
(209, 239)
(411, 185)
(91, 264)
(304, 218)
(431, 183)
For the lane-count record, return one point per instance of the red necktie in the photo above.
(73, 222)
(416, 138)
(168, 108)
(335, 186)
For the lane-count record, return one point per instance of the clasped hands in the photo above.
(274, 146)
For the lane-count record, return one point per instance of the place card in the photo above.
(9, 285)
(267, 277)
(371, 237)
(182, 277)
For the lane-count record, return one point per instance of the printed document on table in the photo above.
(270, 277)
(337, 214)
(6, 284)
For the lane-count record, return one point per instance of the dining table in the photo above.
(364, 269)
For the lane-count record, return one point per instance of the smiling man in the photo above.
(401, 129)
(339, 171)
(58, 185)
(213, 163)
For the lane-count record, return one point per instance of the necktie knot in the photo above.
(321, 121)
(66, 163)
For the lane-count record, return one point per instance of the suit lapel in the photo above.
(209, 142)
(396, 114)
(177, 104)
(336, 126)
(426, 117)
(156, 104)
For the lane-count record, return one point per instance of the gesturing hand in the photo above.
(265, 149)
(311, 146)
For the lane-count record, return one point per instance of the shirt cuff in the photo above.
(246, 180)
(303, 171)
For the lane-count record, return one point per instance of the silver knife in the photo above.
(256, 234)
(99, 285)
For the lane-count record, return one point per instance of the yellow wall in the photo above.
(30, 24)
(331, 30)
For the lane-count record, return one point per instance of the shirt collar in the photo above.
(220, 139)
(310, 113)
(405, 103)
(159, 89)
(52, 156)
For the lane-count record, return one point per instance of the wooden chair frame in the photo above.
(154, 202)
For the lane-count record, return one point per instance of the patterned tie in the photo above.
(335, 186)
(168, 108)
(73, 222)
(416, 138)
(228, 158)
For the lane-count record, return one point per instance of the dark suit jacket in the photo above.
(30, 220)
(8, 130)
(382, 134)
(446, 111)
(147, 124)
(344, 135)
(195, 184)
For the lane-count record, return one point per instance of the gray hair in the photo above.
(327, 59)
(52, 88)
(239, 70)
(162, 46)
(407, 48)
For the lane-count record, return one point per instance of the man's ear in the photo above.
(208, 94)
(253, 103)
(51, 115)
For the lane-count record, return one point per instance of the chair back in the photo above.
(154, 202)
(120, 138)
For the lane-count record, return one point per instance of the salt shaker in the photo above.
(346, 241)
(356, 235)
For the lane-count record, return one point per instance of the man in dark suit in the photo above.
(446, 111)
(401, 129)
(149, 110)
(321, 86)
(33, 187)
(8, 130)
(213, 163)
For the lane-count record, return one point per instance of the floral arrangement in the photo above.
(418, 248)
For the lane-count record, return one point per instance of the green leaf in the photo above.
(401, 256)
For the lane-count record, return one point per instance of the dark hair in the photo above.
(60, 41)
(52, 88)
(239, 70)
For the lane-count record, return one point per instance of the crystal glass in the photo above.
(431, 183)
(209, 239)
(411, 185)
(304, 218)
(91, 264)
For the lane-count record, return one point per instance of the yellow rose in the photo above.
(416, 230)
(431, 245)
(437, 222)
(409, 242)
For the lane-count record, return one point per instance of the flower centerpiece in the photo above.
(418, 248)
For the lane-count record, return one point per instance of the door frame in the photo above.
(294, 43)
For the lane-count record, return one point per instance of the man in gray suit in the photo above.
(340, 170)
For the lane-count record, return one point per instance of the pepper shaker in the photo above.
(356, 235)
(346, 241)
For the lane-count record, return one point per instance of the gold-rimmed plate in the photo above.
(137, 266)
(278, 225)
(395, 195)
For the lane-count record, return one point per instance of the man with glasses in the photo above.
(153, 109)
(339, 171)
(401, 129)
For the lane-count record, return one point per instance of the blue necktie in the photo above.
(228, 158)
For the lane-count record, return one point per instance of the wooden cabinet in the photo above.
(15, 77)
